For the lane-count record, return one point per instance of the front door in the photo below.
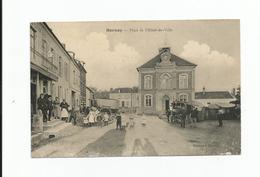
(167, 105)
(33, 98)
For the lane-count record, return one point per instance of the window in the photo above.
(59, 91)
(183, 97)
(148, 82)
(148, 100)
(32, 41)
(44, 48)
(183, 81)
(66, 72)
(60, 66)
(51, 55)
(45, 86)
(74, 77)
(165, 81)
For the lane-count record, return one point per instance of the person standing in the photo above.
(50, 107)
(220, 117)
(106, 117)
(118, 121)
(91, 117)
(188, 114)
(73, 116)
(64, 110)
(194, 116)
(42, 106)
(46, 106)
(56, 108)
(183, 112)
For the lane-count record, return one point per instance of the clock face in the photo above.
(165, 56)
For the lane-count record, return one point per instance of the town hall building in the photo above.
(164, 79)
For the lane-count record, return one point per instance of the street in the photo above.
(150, 136)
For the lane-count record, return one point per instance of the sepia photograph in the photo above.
(135, 88)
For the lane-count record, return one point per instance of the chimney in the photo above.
(72, 53)
(204, 92)
(163, 49)
(83, 63)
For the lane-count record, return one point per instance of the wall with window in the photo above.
(47, 53)
(148, 81)
(185, 80)
(147, 102)
(184, 96)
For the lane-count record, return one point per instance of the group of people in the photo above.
(94, 117)
(182, 112)
(53, 108)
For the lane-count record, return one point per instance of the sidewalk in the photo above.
(72, 140)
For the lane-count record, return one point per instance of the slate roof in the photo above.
(213, 95)
(90, 89)
(125, 90)
(174, 58)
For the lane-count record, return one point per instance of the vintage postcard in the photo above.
(135, 88)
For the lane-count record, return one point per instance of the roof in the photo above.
(60, 44)
(125, 90)
(90, 89)
(81, 67)
(213, 95)
(174, 58)
(225, 105)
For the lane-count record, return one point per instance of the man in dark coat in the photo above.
(118, 121)
(41, 102)
(73, 116)
(50, 107)
(220, 115)
(183, 113)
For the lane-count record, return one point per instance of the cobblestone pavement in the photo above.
(150, 136)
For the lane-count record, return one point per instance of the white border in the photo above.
(16, 67)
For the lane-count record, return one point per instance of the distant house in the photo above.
(210, 101)
(207, 98)
(89, 97)
(127, 97)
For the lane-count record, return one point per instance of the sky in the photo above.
(113, 50)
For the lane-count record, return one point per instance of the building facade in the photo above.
(128, 98)
(53, 70)
(83, 94)
(164, 79)
(206, 98)
(90, 99)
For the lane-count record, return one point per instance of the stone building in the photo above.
(164, 79)
(83, 72)
(128, 97)
(90, 99)
(205, 98)
(53, 70)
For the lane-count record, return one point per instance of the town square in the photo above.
(102, 89)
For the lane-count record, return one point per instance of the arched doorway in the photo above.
(166, 102)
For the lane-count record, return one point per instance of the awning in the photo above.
(44, 72)
(213, 106)
(198, 104)
(225, 105)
